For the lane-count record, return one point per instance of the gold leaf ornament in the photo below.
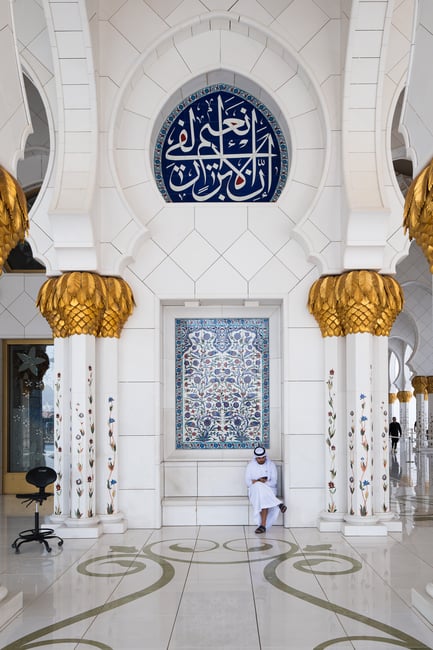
(355, 302)
(418, 212)
(120, 304)
(85, 303)
(14, 222)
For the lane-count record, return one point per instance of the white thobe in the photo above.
(263, 495)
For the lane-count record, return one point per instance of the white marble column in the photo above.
(62, 424)
(422, 484)
(82, 307)
(404, 397)
(83, 415)
(360, 306)
(334, 426)
(430, 411)
(359, 385)
(392, 406)
(107, 502)
(380, 415)
(82, 520)
(420, 384)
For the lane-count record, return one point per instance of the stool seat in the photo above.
(40, 477)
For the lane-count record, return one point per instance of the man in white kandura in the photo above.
(261, 479)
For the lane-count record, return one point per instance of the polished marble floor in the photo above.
(219, 587)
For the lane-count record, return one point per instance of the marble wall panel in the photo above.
(137, 462)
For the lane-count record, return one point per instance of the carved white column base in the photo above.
(70, 528)
(423, 602)
(391, 522)
(373, 530)
(80, 528)
(115, 523)
(357, 526)
(350, 525)
(57, 519)
(9, 605)
(330, 522)
(361, 521)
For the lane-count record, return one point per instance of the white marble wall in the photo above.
(146, 56)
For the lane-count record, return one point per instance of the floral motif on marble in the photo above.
(111, 461)
(385, 475)
(364, 482)
(222, 383)
(58, 449)
(331, 443)
(85, 475)
(351, 450)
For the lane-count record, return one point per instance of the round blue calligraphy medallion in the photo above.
(221, 144)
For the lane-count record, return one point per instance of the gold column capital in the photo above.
(417, 212)
(355, 302)
(119, 306)
(322, 303)
(419, 383)
(429, 386)
(14, 221)
(392, 397)
(85, 303)
(404, 396)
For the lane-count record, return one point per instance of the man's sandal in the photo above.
(260, 529)
(282, 507)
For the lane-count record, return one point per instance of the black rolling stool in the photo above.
(40, 477)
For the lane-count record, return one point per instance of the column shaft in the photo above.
(62, 424)
(107, 499)
(430, 411)
(83, 426)
(335, 448)
(380, 427)
(359, 357)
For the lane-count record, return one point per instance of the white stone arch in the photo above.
(40, 237)
(398, 244)
(62, 69)
(199, 50)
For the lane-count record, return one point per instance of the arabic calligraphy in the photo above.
(221, 145)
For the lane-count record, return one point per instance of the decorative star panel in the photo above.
(222, 383)
(221, 144)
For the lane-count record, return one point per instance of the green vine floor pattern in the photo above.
(124, 561)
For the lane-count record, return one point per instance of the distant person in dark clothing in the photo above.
(394, 434)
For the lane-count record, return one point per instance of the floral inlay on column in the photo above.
(79, 455)
(91, 445)
(331, 443)
(111, 481)
(57, 443)
(363, 481)
(384, 436)
(85, 475)
(351, 446)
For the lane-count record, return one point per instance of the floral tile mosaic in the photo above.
(222, 383)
